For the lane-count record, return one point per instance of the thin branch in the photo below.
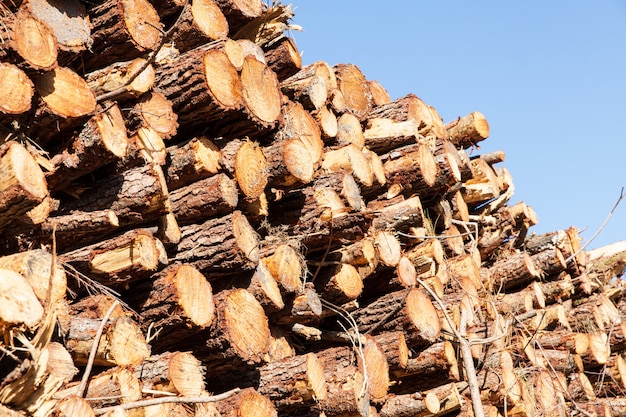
(94, 349)
(165, 400)
(595, 235)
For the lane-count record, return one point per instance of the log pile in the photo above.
(193, 223)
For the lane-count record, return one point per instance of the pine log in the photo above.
(550, 262)
(382, 135)
(46, 278)
(349, 131)
(166, 8)
(22, 182)
(102, 140)
(225, 244)
(347, 392)
(118, 385)
(78, 227)
(147, 147)
(407, 108)
(122, 30)
(438, 401)
(413, 168)
(558, 360)
(137, 196)
(375, 363)
(380, 95)
(289, 162)
(247, 403)
(302, 308)
(353, 85)
(246, 162)
(597, 312)
(121, 259)
(27, 41)
(66, 100)
(174, 372)
(192, 161)
(283, 58)
(327, 121)
(178, 303)
(68, 21)
(152, 110)
(298, 123)
(262, 101)
(579, 388)
(240, 12)
(199, 24)
(407, 310)
(20, 306)
(263, 287)
(284, 263)
(350, 159)
(433, 366)
(336, 100)
(238, 339)
(198, 201)
(466, 132)
(323, 211)
(249, 48)
(399, 216)
(202, 84)
(610, 380)
(513, 272)
(395, 349)
(498, 382)
(482, 186)
(116, 79)
(293, 383)
(121, 344)
(388, 249)
(339, 284)
(311, 91)
(16, 93)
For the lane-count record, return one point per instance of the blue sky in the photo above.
(550, 77)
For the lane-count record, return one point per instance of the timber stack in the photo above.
(194, 223)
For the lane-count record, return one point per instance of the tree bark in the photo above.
(178, 302)
(122, 30)
(201, 200)
(102, 140)
(225, 244)
(199, 24)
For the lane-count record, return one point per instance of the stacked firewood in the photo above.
(193, 223)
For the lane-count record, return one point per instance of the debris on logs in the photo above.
(186, 207)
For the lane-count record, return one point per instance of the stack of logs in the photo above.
(193, 223)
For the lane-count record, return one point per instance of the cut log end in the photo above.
(247, 325)
(16, 90)
(261, 91)
(35, 42)
(195, 295)
(222, 78)
(66, 93)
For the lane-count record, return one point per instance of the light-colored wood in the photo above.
(22, 182)
(28, 41)
(467, 131)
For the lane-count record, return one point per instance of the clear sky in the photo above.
(549, 76)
